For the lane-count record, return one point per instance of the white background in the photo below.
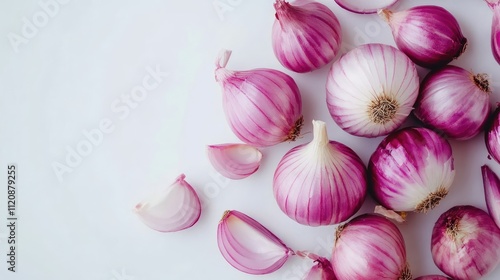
(65, 79)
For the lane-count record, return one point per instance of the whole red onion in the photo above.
(370, 247)
(429, 35)
(465, 243)
(306, 35)
(454, 101)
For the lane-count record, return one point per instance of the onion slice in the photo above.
(365, 6)
(492, 193)
(173, 208)
(248, 246)
(234, 161)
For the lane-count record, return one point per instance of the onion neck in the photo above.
(452, 228)
(338, 232)
(320, 140)
(224, 215)
(482, 82)
(221, 73)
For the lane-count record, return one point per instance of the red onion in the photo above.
(491, 184)
(429, 35)
(433, 277)
(370, 247)
(365, 7)
(465, 243)
(411, 170)
(492, 136)
(306, 35)
(248, 246)
(371, 90)
(454, 101)
(320, 183)
(263, 106)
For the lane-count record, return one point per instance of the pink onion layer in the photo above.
(492, 135)
(365, 7)
(465, 243)
(248, 246)
(433, 277)
(263, 106)
(495, 33)
(234, 161)
(491, 184)
(306, 35)
(411, 170)
(454, 101)
(370, 247)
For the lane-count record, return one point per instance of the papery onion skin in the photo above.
(306, 35)
(244, 252)
(371, 90)
(320, 183)
(262, 106)
(454, 101)
(370, 247)
(429, 35)
(433, 277)
(491, 184)
(492, 135)
(180, 198)
(465, 243)
(363, 6)
(411, 170)
(234, 161)
(322, 270)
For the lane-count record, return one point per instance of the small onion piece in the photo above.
(465, 243)
(370, 247)
(492, 135)
(263, 106)
(364, 6)
(495, 31)
(322, 270)
(411, 170)
(320, 183)
(248, 246)
(234, 161)
(433, 277)
(429, 35)
(306, 35)
(454, 101)
(371, 90)
(491, 184)
(174, 208)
